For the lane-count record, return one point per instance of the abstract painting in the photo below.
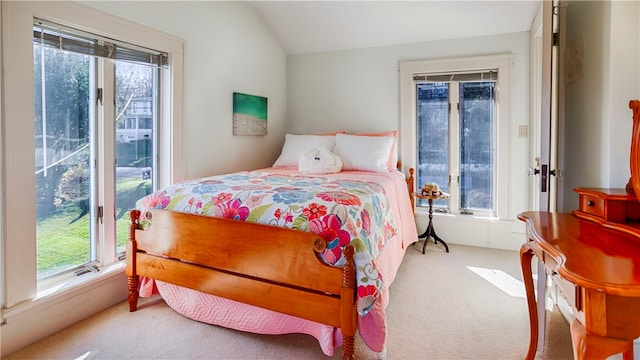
(249, 114)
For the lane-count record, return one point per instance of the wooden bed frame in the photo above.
(280, 272)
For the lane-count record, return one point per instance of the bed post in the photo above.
(349, 318)
(132, 249)
(410, 187)
(410, 183)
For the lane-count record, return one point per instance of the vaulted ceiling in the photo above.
(317, 26)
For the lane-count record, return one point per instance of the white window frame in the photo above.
(408, 124)
(18, 221)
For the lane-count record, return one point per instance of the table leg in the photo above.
(426, 235)
(526, 255)
(431, 232)
(542, 298)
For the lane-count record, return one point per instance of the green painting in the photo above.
(249, 114)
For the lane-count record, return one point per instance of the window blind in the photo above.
(73, 40)
(488, 75)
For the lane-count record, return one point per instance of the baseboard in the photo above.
(475, 231)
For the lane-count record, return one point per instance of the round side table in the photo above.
(431, 232)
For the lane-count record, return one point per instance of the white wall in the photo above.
(358, 91)
(598, 120)
(624, 67)
(227, 49)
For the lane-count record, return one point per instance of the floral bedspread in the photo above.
(340, 211)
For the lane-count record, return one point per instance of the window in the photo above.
(72, 133)
(456, 111)
(455, 121)
(84, 138)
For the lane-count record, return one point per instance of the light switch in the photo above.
(523, 131)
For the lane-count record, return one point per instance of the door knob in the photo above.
(556, 172)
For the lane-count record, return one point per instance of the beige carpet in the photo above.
(440, 308)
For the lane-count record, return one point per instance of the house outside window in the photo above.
(136, 121)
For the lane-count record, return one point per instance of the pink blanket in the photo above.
(371, 327)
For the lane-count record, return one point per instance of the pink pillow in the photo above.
(331, 134)
(393, 154)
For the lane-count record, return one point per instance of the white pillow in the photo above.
(296, 145)
(366, 153)
(392, 163)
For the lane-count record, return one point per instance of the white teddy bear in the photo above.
(319, 160)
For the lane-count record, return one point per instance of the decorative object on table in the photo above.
(431, 189)
(249, 114)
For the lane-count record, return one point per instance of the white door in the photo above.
(544, 170)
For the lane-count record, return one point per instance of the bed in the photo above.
(278, 251)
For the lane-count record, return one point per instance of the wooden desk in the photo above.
(598, 271)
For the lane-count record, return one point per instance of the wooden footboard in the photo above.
(270, 267)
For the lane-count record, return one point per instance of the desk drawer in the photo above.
(592, 205)
(568, 291)
(567, 288)
(614, 207)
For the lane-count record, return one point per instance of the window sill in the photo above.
(68, 283)
(424, 212)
